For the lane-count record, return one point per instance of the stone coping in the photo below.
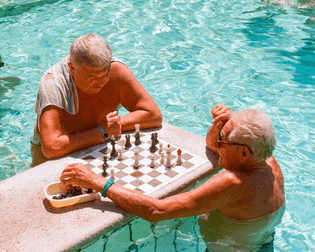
(29, 223)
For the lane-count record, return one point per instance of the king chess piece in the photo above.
(168, 157)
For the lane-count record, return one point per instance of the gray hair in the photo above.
(254, 128)
(91, 50)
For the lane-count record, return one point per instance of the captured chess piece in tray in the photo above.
(141, 161)
(61, 197)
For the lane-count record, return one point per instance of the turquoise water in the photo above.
(189, 55)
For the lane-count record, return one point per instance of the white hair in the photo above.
(91, 50)
(254, 128)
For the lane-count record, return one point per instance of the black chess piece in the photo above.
(105, 165)
(156, 138)
(128, 143)
(114, 153)
(137, 136)
(153, 147)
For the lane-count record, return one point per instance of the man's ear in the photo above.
(71, 67)
(245, 153)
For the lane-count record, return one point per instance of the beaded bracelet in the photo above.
(106, 186)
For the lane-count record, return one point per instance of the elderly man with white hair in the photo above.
(78, 100)
(239, 207)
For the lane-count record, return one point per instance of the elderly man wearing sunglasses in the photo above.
(244, 141)
(239, 206)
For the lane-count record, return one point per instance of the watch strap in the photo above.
(104, 133)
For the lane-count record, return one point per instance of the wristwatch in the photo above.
(104, 133)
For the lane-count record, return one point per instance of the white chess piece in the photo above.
(162, 158)
(136, 164)
(120, 156)
(137, 128)
(152, 165)
(168, 157)
(112, 174)
(161, 148)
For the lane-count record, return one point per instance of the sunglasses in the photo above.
(220, 142)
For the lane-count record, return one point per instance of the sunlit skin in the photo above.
(245, 190)
(100, 92)
(89, 80)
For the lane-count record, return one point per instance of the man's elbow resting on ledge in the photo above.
(52, 151)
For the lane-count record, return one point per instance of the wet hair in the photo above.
(254, 128)
(91, 50)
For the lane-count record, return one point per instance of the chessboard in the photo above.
(151, 174)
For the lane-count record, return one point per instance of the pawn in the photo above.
(120, 155)
(136, 163)
(162, 158)
(152, 165)
(112, 177)
(161, 148)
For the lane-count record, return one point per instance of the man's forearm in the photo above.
(144, 118)
(211, 138)
(65, 144)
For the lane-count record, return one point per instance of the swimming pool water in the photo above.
(189, 55)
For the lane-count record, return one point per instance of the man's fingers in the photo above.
(112, 114)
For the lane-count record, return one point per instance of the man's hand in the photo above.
(221, 114)
(112, 124)
(77, 174)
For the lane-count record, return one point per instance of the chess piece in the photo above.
(156, 138)
(161, 148)
(114, 153)
(179, 157)
(137, 139)
(136, 163)
(162, 158)
(168, 157)
(137, 128)
(152, 165)
(112, 177)
(153, 147)
(105, 165)
(128, 143)
(120, 156)
(137, 134)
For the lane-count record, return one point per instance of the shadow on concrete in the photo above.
(104, 206)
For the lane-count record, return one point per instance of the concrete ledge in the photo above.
(29, 223)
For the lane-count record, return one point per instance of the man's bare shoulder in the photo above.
(119, 69)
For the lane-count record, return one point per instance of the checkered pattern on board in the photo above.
(143, 179)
